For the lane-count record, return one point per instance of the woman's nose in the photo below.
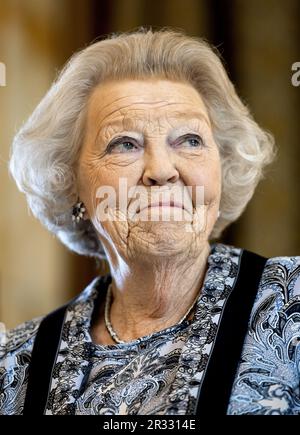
(159, 169)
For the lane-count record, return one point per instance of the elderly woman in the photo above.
(142, 153)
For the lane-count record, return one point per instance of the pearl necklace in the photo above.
(108, 325)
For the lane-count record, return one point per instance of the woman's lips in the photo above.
(162, 204)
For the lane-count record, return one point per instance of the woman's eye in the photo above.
(121, 146)
(194, 141)
(126, 145)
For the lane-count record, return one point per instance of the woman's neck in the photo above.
(152, 295)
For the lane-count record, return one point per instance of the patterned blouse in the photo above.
(161, 373)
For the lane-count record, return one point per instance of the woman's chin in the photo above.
(159, 239)
(163, 229)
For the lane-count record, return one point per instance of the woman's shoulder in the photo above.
(284, 265)
(267, 378)
(283, 272)
(19, 338)
(289, 261)
(15, 354)
(22, 337)
(278, 295)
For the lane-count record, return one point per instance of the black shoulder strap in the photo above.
(46, 345)
(216, 387)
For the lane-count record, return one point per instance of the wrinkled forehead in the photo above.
(131, 104)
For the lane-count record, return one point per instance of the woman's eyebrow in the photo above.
(193, 115)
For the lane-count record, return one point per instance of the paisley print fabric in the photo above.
(268, 380)
(162, 373)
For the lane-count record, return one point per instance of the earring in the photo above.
(219, 214)
(78, 211)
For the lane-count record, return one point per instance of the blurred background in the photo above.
(259, 42)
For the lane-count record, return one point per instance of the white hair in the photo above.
(46, 148)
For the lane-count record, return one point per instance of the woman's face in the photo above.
(153, 135)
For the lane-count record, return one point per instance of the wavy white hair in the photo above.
(46, 148)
